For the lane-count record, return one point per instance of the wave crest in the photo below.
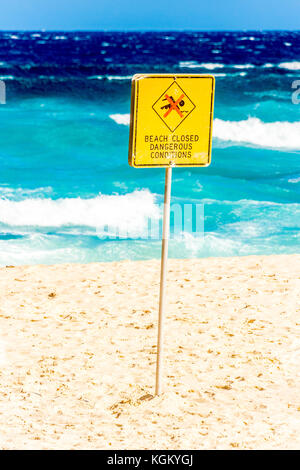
(290, 65)
(256, 132)
(114, 211)
(121, 118)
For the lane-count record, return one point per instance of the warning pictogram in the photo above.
(173, 106)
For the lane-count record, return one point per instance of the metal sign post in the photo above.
(163, 277)
(170, 126)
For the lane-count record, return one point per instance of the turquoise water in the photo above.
(64, 140)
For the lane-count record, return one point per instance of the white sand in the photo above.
(80, 343)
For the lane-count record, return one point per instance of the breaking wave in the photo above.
(256, 132)
(115, 211)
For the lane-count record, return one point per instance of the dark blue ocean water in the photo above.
(64, 142)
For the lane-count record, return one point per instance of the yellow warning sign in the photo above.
(171, 120)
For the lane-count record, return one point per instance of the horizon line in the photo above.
(44, 30)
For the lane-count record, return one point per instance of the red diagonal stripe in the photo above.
(174, 105)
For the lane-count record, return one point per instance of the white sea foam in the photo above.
(243, 66)
(290, 65)
(110, 77)
(211, 244)
(188, 64)
(17, 193)
(119, 77)
(212, 66)
(194, 65)
(264, 134)
(294, 180)
(278, 134)
(121, 118)
(114, 211)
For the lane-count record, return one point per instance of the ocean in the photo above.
(64, 145)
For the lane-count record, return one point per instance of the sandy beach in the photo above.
(78, 346)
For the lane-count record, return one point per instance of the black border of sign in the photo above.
(133, 114)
